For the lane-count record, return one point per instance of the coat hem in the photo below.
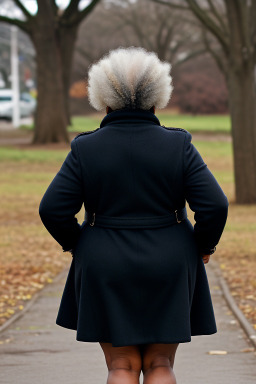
(204, 333)
(87, 339)
(66, 325)
(135, 342)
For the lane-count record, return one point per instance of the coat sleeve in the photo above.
(62, 200)
(205, 197)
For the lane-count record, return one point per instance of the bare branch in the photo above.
(19, 23)
(190, 21)
(168, 38)
(44, 6)
(135, 23)
(72, 8)
(218, 59)
(203, 17)
(181, 42)
(173, 5)
(161, 29)
(127, 21)
(85, 54)
(190, 56)
(218, 16)
(78, 16)
(54, 6)
(23, 9)
(209, 23)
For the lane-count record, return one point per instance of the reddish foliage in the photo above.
(199, 88)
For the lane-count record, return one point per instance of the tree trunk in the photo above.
(67, 45)
(242, 102)
(50, 118)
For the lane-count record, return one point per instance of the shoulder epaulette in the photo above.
(86, 133)
(174, 129)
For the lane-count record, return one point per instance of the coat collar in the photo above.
(128, 115)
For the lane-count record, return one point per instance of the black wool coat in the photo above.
(137, 274)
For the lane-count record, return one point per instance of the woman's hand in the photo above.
(206, 258)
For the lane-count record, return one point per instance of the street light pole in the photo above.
(15, 77)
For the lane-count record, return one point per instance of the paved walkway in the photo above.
(36, 350)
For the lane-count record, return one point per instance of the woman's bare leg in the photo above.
(157, 363)
(124, 363)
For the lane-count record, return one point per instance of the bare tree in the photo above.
(158, 29)
(53, 32)
(232, 25)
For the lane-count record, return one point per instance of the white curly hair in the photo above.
(129, 78)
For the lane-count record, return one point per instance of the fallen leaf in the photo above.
(247, 350)
(217, 352)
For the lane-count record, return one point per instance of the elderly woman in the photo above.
(137, 283)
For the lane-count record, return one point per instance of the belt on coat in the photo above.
(136, 222)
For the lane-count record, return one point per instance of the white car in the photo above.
(27, 104)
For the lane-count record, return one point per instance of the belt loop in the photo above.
(93, 220)
(176, 213)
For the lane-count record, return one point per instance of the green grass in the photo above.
(85, 123)
(208, 149)
(199, 123)
(25, 182)
(223, 176)
(79, 124)
(31, 155)
(213, 149)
